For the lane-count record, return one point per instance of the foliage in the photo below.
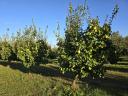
(31, 50)
(69, 92)
(117, 39)
(52, 53)
(118, 47)
(83, 51)
(126, 41)
(5, 50)
(125, 51)
(114, 54)
(42, 48)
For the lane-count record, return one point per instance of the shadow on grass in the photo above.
(14, 65)
(113, 86)
(51, 71)
(44, 70)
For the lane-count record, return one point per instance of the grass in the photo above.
(47, 80)
(121, 66)
(16, 83)
(122, 62)
(50, 82)
(116, 67)
(124, 57)
(118, 74)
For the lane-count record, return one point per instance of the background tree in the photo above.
(126, 41)
(125, 51)
(26, 48)
(42, 48)
(117, 47)
(52, 54)
(31, 47)
(5, 50)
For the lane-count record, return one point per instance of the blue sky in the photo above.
(16, 14)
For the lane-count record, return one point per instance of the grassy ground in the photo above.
(117, 67)
(16, 83)
(47, 80)
(121, 66)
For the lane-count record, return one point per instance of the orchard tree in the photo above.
(6, 50)
(31, 48)
(125, 50)
(126, 42)
(116, 48)
(26, 48)
(117, 38)
(42, 54)
(83, 51)
(52, 53)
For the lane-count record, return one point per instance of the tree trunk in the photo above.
(75, 86)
